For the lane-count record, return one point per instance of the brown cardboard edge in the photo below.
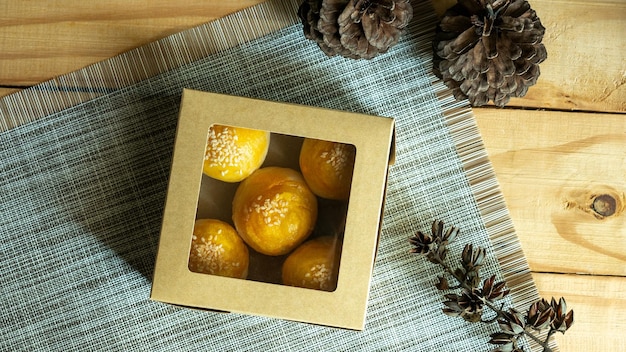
(357, 314)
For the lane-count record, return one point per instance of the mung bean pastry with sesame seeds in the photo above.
(314, 264)
(327, 167)
(217, 249)
(274, 210)
(233, 153)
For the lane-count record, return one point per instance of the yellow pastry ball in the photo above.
(327, 167)
(314, 264)
(217, 249)
(233, 153)
(274, 210)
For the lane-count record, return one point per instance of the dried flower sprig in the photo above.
(475, 294)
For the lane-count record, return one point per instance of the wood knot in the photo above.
(604, 205)
(601, 202)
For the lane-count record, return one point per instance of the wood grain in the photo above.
(7, 91)
(599, 310)
(551, 167)
(40, 40)
(585, 69)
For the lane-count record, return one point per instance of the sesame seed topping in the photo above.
(337, 157)
(320, 275)
(272, 209)
(207, 255)
(222, 151)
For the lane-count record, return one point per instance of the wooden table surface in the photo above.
(555, 152)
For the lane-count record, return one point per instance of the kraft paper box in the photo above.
(354, 223)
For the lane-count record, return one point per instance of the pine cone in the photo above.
(489, 50)
(355, 28)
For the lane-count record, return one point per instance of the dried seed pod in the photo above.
(489, 50)
(355, 28)
(468, 305)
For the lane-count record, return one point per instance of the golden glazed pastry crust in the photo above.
(233, 153)
(274, 210)
(314, 264)
(217, 249)
(327, 167)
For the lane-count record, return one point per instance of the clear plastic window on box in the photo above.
(272, 208)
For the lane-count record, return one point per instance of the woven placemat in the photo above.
(84, 172)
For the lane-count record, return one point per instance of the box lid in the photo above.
(344, 307)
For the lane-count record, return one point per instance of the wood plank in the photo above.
(551, 166)
(585, 69)
(7, 91)
(40, 40)
(599, 310)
